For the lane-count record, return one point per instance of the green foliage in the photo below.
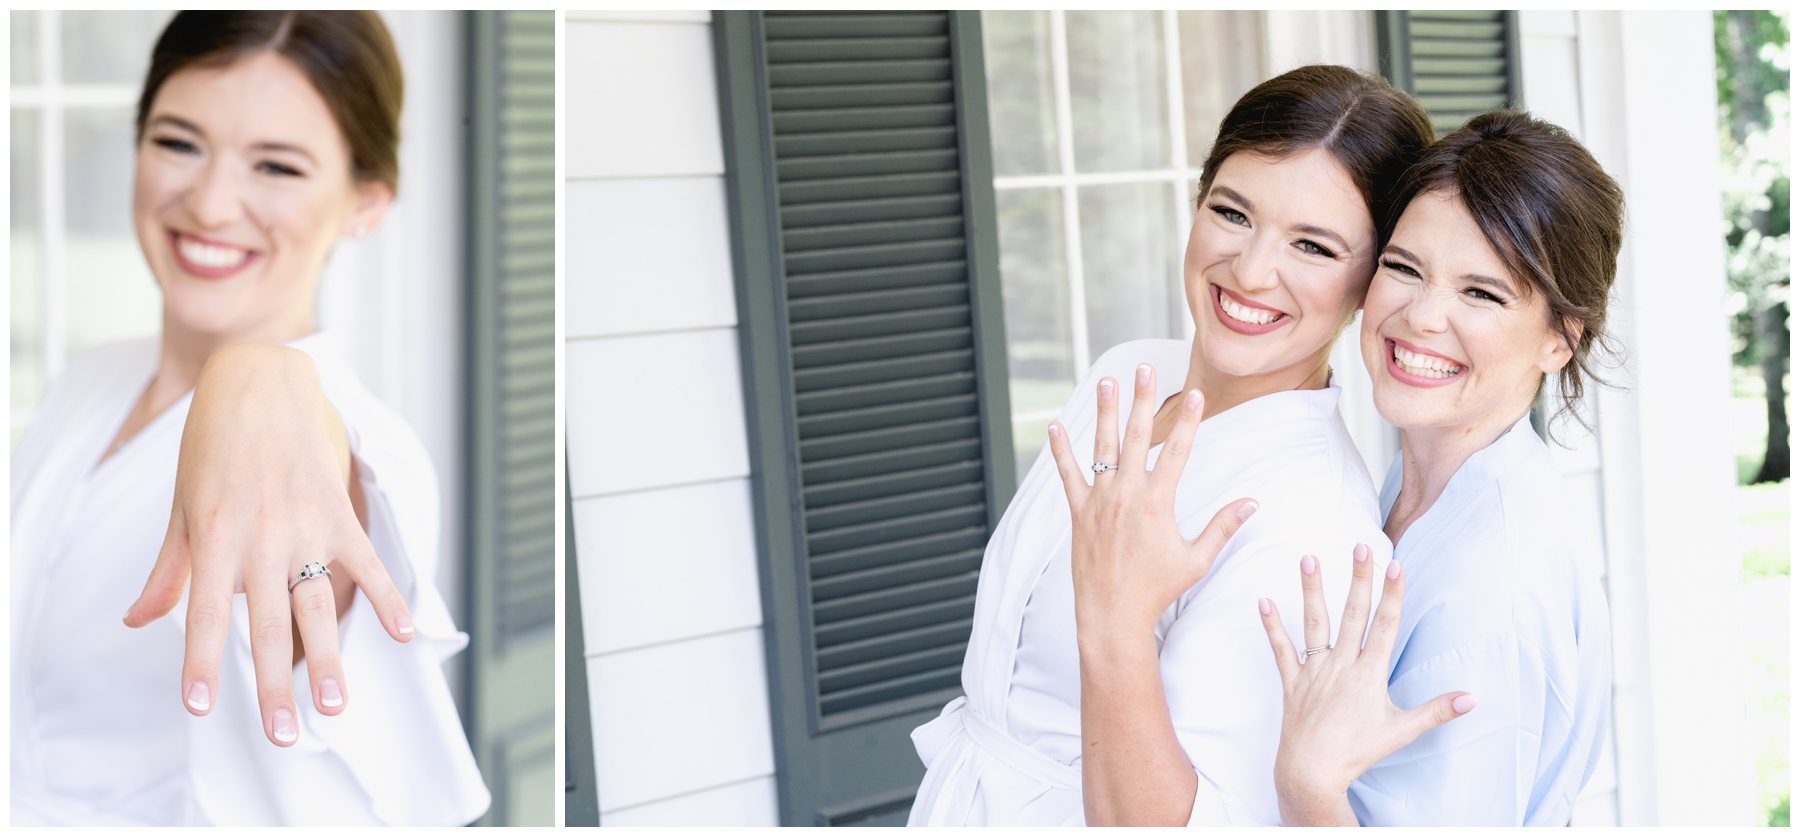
(1752, 75)
(1778, 815)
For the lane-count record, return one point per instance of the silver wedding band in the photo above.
(1311, 651)
(1103, 467)
(312, 570)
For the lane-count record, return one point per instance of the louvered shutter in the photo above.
(1457, 64)
(870, 323)
(512, 407)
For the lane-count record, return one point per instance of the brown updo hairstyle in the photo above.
(1374, 131)
(348, 57)
(1553, 216)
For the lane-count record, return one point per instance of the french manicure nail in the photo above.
(404, 625)
(283, 722)
(1106, 389)
(1308, 565)
(1263, 605)
(1462, 704)
(1244, 511)
(199, 696)
(1193, 400)
(330, 696)
(1393, 570)
(1143, 374)
(1055, 431)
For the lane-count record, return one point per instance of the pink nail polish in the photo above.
(1462, 704)
(282, 721)
(1244, 511)
(1308, 565)
(1106, 389)
(1055, 431)
(331, 696)
(403, 625)
(1393, 570)
(1193, 400)
(1143, 375)
(199, 696)
(1362, 554)
(1263, 605)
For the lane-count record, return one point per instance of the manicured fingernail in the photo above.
(1463, 704)
(1362, 553)
(1393, 570)
(403, 625)
(1263, 605)
(1308, 565)
(1143, 375)
(1244, 511)
(127, 618)
(330, 696)
(199, 696)
(283, 723)
(1055, 431)
(1193, 400)
(1106, 389)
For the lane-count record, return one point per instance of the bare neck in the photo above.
(1224, 391)
(1430, 456)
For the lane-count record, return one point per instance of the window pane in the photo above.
(1131, 258)
(1221, 59)
(1021, 105)
(1118, 91)
(102, 260)
(27, 359)
(1035, 286)
(24, 48)
(109, 47)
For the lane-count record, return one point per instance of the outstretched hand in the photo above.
(260, 492)
(1337, 718)
(1129, 559)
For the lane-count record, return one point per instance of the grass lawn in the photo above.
(1763, 513)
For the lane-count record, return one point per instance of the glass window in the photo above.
(101, 258)
(1118, 91)
(27, 337)
(24, 48)
(109, 47)
(1021, 103)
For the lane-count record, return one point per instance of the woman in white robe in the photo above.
(237, 449)
(1281, 250)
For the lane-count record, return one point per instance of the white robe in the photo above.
(99, 734)
(1009, 751)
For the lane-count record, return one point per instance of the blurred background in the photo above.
(870, 254)
(448, 307)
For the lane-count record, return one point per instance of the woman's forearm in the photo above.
(1133, 769)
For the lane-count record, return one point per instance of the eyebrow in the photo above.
(1308, 229)
(1478, 278)
(178, 122)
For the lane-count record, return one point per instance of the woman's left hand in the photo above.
(1129, 558)
(1337, 718)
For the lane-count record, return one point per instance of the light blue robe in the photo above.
(1499, 603)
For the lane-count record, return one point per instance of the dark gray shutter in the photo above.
(512, 406)
(1457, 64)
(860, 182)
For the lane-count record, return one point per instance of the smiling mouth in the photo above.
(209, 259)
(1419, 368)
(1242, 317)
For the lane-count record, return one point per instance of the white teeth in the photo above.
(211, 255)
(1424, 366)
(1250, 316)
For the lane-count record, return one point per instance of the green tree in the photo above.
(1752, 66)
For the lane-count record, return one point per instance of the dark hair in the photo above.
(347, 56)
(1553, 216)
(1374, 131)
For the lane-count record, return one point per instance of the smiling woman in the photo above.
(240, 454)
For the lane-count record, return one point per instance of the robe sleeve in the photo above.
(397, 754)
(1219, 675)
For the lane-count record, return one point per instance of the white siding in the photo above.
(1637, 90)
(657, 450)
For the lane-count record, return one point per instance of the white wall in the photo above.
(658, 460)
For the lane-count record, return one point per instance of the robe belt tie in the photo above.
(1018, 756)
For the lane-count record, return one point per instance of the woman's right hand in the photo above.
(1337, 718)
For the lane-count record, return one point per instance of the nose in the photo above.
(1254, 268)
(1428, 311)
(214, 200)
